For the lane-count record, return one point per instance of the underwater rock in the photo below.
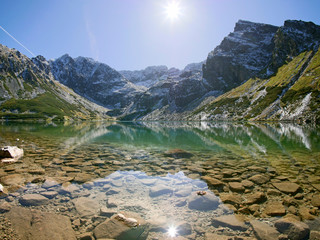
(85, 206)
(33, 200)
(275, 209)
(263, 231)
(294, 229)
(159, 190)
(229, 221)
(259, 179)
(121, 226)
(34, 224)
(178, 153)
(203, 203)
(287, 187)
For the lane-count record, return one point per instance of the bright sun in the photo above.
(173, 10)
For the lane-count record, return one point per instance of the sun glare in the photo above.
(173, 10)
(172, 232)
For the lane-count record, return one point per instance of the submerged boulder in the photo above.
(34, 224)
(203, 203)
(122, 226)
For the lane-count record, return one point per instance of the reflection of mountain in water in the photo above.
(240, 139)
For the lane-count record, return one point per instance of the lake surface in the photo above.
(179, 180)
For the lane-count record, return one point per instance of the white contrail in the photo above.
(18, 41)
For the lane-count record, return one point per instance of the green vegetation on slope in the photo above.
(257, 98)
(43, 106)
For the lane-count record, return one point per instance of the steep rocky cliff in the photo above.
(28, 90)
(244, 53)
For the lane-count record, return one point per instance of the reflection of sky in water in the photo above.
(165, 200)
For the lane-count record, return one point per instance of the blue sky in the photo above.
(134, 34)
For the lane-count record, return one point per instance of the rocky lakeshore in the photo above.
(99, 190)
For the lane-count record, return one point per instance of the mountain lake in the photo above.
(163, 180)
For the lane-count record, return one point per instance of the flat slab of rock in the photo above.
(121, 226)
(287, 187)
(86, 206)
(263, 231)
(11, 152)
(213, 181)
(315, 201)
(203, 203)
(159, 190)
(49, 183)
(236, 186)
(256, 197)
(259, 179)
(229, 221)
(294, 229)
(13, 179)
(215, 236)
(33, 200)
(49, 194)
(275, 209)
(232, 199)
(34, 224)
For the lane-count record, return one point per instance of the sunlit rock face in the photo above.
(242, 54)
(255, 49)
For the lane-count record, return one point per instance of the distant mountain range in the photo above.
(258, 72)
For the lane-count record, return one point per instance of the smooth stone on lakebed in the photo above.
(122, 227)
(12, 179)
(86, 206)
(33, 200)
(236, 186)
(34, 224)
(229, 221)
(275, 209)
(203, 203)
(263, 230)
(159, 190)
(259, 179)
(213, 181)
(49, 183)
(287, 187)
(256, 197)
(315, 201)
(294, 229)
(49, 194)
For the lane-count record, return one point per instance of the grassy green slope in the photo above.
(277, 98)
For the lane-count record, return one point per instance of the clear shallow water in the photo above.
(100, 169)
